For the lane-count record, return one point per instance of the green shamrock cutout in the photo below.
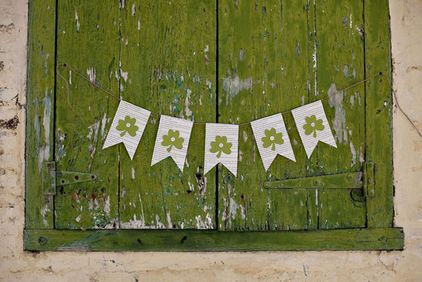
(271, 138)
(313, 125)
(127, 125)
(172, 139)
(220, 145)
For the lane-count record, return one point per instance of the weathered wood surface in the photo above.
(194, 240)
(263, 70)
(168, 51)
(88, 44)
(339, 64)
(273, 57)
(40, 113)
(162, 55)
(379, 144)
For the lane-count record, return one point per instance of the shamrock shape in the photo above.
(220, 145)
(271, 138)
(172, 139)
(127, 126)
(313, 125)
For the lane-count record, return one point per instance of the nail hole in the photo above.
(76, 177)
(93, 176)
(42, 240)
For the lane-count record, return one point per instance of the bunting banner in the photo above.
(221, 146)
(313, 126)
(127, 127)
(272, 139)
(221, 140)
(172, 140)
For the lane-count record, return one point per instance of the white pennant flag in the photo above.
(221, 146)
(272, 139)
(127, 127)
(172, 140)
(313, 126)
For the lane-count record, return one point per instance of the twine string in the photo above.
(95, 84)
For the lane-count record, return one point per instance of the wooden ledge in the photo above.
(197, 240)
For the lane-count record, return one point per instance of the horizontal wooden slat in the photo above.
(335, 181)
(193, 240)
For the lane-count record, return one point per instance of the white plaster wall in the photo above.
(17, 265)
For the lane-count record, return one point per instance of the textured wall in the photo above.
(313, 266)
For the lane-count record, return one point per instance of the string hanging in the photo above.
(113, 95)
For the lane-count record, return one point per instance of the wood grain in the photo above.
(39, 146)
(88, 44)
(167, 65)
(171, 57)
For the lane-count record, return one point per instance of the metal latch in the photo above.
(350, 180)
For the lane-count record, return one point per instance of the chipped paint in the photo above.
(339, 122)
(354, 155)
(44, 211)
(361, 156)
(188, 112)
(205, 223)
(245, 136)
(169, 223)
(315, 64)
(346, 71)
(133, 9)
(104, 121)
(135, 224)
(233, 85)
(70, 77)
(158, 223)
(44, 150)
(132, 173)
(78, 25)
(206, 50)
(107, 206)
(124, 75)
(91, 73)
(93, 131)
(60, 150)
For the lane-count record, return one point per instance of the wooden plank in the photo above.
(168, 66)
(336, 181)
(40, 112)
(191, 240)
(379, 112)
(88, 44)
(339, 60)
(292, 210)
(263, 70)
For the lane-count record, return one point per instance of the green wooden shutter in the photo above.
(208, 61)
